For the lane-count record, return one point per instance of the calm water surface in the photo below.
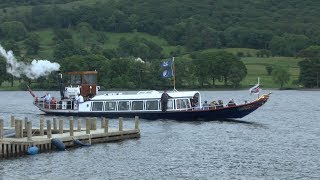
(281, 140)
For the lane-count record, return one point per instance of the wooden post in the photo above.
(88, 125)
(102, 122)
(1, 130)
(49, 129)
(41, 126)
(29, 130)
(1, 153)
(79, 125)
(25, 122)
(71, 126)
(136, 122)
(55, 128)
(60, 126)
(106, 125)
(12, 121)
(21, 128)
(94, 123)
(17, 128)
(5, 150)
(120, 123)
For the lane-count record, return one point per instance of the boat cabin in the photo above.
(83, 82)
(142, 101)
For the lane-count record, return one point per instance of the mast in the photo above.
(174, 75)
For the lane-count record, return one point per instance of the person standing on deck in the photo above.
(164, 101)
(79, 99)
(46, 97)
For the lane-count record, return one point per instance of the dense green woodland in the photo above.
(80, 35)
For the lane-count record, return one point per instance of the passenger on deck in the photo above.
(53, 103)
(205, 105)
(220, 104)
(79, 99)
(231, 103)
(46, 98)
(164, 101)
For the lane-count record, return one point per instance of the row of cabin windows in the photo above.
(138, 105)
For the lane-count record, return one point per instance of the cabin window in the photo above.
(170, 104)
(89, 79)
(152, 105)
(123, 105)
(97, 106)
(137, 105)
(110, 106)
(182, 104)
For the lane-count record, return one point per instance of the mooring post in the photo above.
(12, 121)
(71, 126)
(25, 123)
(17, 128)
(94, 123)
(55, 128)
(41, 126)
(120, 123)
(49, 129)
(106, 125)
(29, 130)
(102, 122)
(136, 122)
(79, 125)
(1, 130)
(60, 126)
(21, 128)
(88, 125)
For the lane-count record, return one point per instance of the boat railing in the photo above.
(54, 105)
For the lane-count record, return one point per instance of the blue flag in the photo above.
(166, 64)
(167, 73)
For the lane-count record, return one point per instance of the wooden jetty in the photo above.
(26, 136)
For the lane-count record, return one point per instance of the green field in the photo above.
(257, 68)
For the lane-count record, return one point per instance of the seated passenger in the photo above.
(205, 106)
(53, 103)
(220, 104)
(231, 103)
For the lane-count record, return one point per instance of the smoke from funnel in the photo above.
(36, 69)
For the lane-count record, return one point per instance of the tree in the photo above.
(68, 48)
(84, 29)
(32, 44)
(218, 65)
(269, 69)
(310, 66)
(237, 74)
(3, 70)
(281, 76)
(288, 44)
(14, 30)
(61, 35)
(13, 46)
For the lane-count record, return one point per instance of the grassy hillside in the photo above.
(257, 68)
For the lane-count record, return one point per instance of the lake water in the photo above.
(281, 140)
